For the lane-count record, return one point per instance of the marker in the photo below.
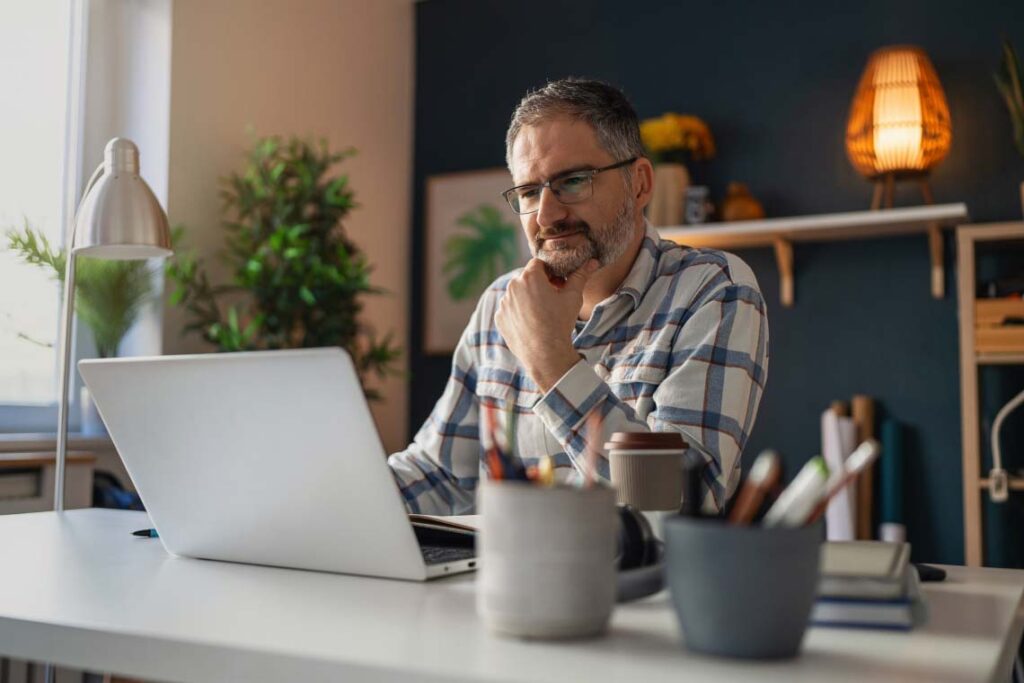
(146, 533)
(546, 470)
(764, 474)
(795, 505)
(857, 461)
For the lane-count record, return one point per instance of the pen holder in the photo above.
(742, 591)
(547, 559)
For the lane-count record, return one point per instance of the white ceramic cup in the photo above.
(547, 559)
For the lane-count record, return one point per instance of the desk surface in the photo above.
(79, 590)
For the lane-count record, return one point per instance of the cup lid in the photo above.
(646, 441)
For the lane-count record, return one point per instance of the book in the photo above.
(864, 570)
(901, 613)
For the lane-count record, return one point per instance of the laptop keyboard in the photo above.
(440, 546)
(442, 554)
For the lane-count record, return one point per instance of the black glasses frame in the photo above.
(510, 194)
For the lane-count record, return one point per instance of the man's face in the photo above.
(566, 236)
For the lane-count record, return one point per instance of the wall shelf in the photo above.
(781, 233)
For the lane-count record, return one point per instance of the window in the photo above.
(38, 136)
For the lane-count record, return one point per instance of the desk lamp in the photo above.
(119, 218)
(899, 126)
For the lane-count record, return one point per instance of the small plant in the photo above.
(108, 294)
(475, 259)
(296, 280)
(1009, 84)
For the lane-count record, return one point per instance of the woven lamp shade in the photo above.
(899, 121)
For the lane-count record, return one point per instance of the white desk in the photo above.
(79, 590)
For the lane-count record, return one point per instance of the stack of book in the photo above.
(868, 584)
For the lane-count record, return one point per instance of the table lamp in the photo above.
(899, 125)
(119, 218)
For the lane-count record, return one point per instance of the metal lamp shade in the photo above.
(899, 121)
(120, 217)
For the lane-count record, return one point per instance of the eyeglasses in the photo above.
(568, 188)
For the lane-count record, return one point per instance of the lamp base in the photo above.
(885, 188)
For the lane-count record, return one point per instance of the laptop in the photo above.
(266, 457)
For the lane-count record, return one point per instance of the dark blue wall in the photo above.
(774, 81)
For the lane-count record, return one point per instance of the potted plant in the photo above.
(108, 298)
(1008, 80)
(296, 279)
(108, 294)
(673, 140)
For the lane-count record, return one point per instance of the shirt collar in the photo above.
(645, 266)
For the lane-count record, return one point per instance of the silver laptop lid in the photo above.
(267, 457)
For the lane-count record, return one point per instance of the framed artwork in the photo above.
(472, 238)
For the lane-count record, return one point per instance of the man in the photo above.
(606, 318)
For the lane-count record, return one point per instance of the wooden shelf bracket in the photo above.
(938, 265)
(784, 262)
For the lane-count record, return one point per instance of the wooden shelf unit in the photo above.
(781, 233)
(967, 236)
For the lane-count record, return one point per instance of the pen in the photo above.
(863, 456)
(796, 503)
(492, 457)
(146, 533)
(764, 474)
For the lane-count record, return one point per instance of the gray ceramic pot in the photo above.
(742, 591)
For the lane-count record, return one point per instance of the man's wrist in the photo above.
(546, 374)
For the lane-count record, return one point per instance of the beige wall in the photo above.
(342, 69)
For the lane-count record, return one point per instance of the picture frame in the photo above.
(472, 238)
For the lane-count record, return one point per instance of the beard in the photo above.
(606, 244)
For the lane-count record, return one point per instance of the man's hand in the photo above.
(536, 317)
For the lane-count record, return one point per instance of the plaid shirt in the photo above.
(682, 345)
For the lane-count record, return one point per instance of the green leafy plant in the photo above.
(108, 294)
(1008, 80)
(296, 280)
(477, 258)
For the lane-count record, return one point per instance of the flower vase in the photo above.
(670, 183)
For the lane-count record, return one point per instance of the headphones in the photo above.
(640, 557)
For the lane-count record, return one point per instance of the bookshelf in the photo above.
(974, 484)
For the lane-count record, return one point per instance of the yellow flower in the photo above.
(678, 132)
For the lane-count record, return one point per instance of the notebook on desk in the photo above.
(267, 457)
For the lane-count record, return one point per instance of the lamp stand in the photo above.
(66, 337)
(885, 189)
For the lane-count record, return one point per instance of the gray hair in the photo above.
(602, 106)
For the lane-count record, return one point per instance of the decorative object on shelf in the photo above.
(1008, 80)
(740, 205)
(672, 141)
(472, 237)
(899, 129)
(899, 126)
(698, 205)
(286, 250)
(118, 218)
